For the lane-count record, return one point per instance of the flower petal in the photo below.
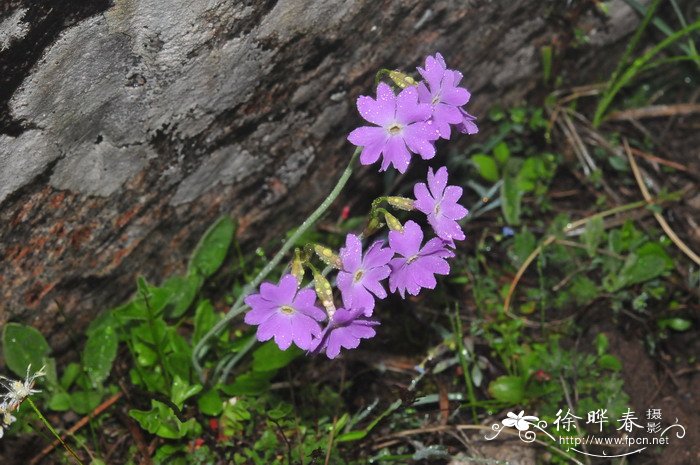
(408, 242)
(369, 135)
(351, 254)
(408, 110)
(396, 153)
(437, 182)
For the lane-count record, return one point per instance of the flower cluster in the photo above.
(16, 392)
(409, 122)
(413, 120)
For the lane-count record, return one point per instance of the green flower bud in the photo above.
(327, 256)
(402, 203)
(401, 79)
(324, 292)
(393, 223)
(298, 266)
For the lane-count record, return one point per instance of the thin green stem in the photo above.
(466, 370)
(235, 359)
(239, 306)
(53, 431)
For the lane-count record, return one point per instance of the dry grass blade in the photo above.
(655, 111)
(659, 218)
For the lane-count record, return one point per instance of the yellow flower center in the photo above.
(395, 129)
(287, 310)
(358, 276)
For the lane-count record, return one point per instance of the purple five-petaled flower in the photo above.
(286, 313)
(439, 202)
(401, 128)
(442, 92)
(416, 267)
(360, 276)
(345, 329)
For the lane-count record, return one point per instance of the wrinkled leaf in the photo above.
(647, 262)
(163, 422)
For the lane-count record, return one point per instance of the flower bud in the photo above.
(327, 256)
(324, 292)
(372, 226)
(298, 266)
(401, 79)
(402, 203)
(393, 223)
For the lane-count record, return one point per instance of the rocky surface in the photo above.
(127, 127)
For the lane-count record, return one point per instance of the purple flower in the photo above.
(345, 329)
(285, 314)
(467, 126)
(439, 202)
(361, 276)
(441, 91)
(415, 267)
(401, 126)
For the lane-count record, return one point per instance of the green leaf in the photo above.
(593, 235)
(84, 402)
(204, 319)
(279, 412)
(99, 354)
(182, 290)
(23, 346)
(70, 374)
(60, 402)
(501, 153)
(487, 166)
(509, 389)
(182, 390)
(676, 324)
(211, 403)
(610, 362)
(523, 245)
(351, 436)
(583, 289)
(252, 383)
(511, 198)
(163, 422)
(211, 251)
(269, 357)
(647, 262)
(601, 343)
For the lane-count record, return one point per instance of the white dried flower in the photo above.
(17, 390)
(6, 417)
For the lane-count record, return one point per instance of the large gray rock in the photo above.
(126, 127)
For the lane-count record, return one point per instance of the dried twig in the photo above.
(659, 218)
(82, 422)
(655, 111)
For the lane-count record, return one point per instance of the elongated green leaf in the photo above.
(511, 198)
(100, 352)
(211, 251)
